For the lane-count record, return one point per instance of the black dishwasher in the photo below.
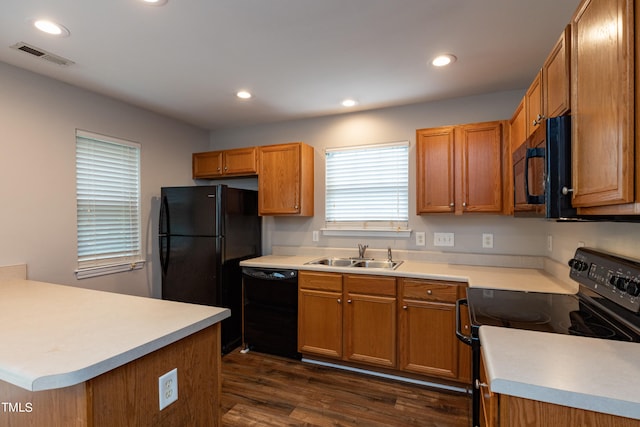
(270, 314)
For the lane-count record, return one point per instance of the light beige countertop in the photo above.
(56, 336)
(525, 279)
(588, 373)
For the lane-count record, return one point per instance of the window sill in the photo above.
(86, 273)
(368, 232)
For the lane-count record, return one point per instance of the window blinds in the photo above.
(368, 184)
(108, 201)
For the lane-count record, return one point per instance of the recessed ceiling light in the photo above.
(243, 94)
(349, 103)
(50, 27)
(443, 60)
(155, 2)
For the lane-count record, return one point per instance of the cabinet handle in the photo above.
(339, 301)
(566, 191)
(429, 292)
(464, 204)
(451, 204)
(218, 169)
(226, 168)
(404, 307)
(348, 301)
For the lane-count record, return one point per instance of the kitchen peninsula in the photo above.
(77, 357)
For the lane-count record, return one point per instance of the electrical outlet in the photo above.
(487, 240)
(315, 235)
(443, 239)
(420, 238)
(168, 388)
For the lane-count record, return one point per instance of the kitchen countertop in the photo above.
(56, 336)
(525, 279)
(588, 373)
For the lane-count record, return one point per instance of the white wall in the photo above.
(511, 235)
(38, 118)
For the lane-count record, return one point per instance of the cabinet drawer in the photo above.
(371, 285)
(431, 290)
(320, 281)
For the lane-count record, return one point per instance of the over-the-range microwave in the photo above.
(542, 172)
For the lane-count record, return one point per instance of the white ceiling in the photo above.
(299, 58)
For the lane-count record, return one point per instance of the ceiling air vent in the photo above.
(42, 54)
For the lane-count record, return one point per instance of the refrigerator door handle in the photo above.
(163, 226)
(164, 254)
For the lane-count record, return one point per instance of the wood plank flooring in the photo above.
(263, 390)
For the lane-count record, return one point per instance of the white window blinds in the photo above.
(108, 204)
(368, 186)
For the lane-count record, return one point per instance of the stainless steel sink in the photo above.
(377, 264)
(355, 262)
(335, 262)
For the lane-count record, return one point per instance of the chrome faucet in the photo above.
(389, 256)
(361, 250)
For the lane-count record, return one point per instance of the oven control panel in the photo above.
(613, 277)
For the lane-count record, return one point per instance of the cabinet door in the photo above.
(241, 161)
(435, 170)
(518, 125)
(533, 104)
(602, 102)
(481, 167)
(370, 329)
(555, 77)
(320, 323)
(285, 179)
(428, 344)
(207, 165)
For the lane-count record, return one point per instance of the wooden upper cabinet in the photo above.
(207, 165)
(481, 157)
(602, 103)
(533, 104)
(459, 168)
(285, 179)
(556, 75)
(217, 164)
(435, 170)
(518, 126)
(549, 92)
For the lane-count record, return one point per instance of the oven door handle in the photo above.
(462, 337)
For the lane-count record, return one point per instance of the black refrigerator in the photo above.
(204, 233)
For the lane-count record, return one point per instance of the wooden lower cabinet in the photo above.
(399, 324)
(370, 320)
(427, 340)
(320, 314)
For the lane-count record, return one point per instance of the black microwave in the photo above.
(542, 172)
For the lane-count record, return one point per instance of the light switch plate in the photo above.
(443, 239)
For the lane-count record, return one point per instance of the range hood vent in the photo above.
(42, 54)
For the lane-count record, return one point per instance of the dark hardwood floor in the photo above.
(263, 390)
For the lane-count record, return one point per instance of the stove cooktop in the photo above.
(544, 312)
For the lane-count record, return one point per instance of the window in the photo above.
(367, 188)
(108, 204)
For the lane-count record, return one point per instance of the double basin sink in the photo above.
(355, 262)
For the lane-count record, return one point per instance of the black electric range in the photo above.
(605, 307)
